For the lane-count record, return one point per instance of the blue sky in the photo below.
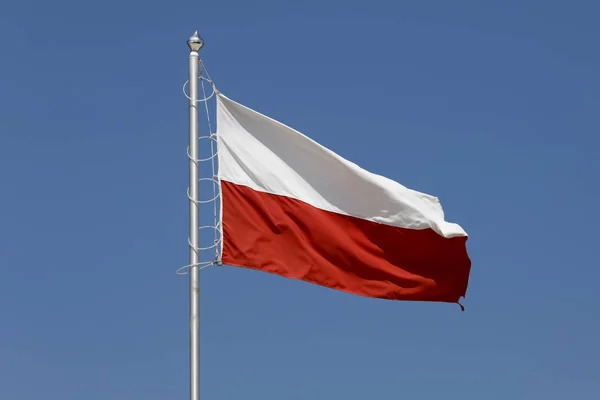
(491, 106)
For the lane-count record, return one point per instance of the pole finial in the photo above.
(195, 42)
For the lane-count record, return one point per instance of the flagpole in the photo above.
(195, 43)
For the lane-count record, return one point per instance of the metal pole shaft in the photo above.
(194, 240)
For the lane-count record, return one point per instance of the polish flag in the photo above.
(294, 208)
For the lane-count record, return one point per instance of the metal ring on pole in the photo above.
(212, 136)
(202, 159)
(203, 201)
(212, 246)
(217, 241)
(201, 78)
(184, 270)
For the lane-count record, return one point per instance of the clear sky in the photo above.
(491, 106)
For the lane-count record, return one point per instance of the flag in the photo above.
(294, 208)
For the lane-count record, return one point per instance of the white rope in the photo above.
(218, 183)
(212, 163)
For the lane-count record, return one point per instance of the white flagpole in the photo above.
(195, 43)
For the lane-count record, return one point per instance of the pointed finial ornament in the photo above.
(195, 42)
